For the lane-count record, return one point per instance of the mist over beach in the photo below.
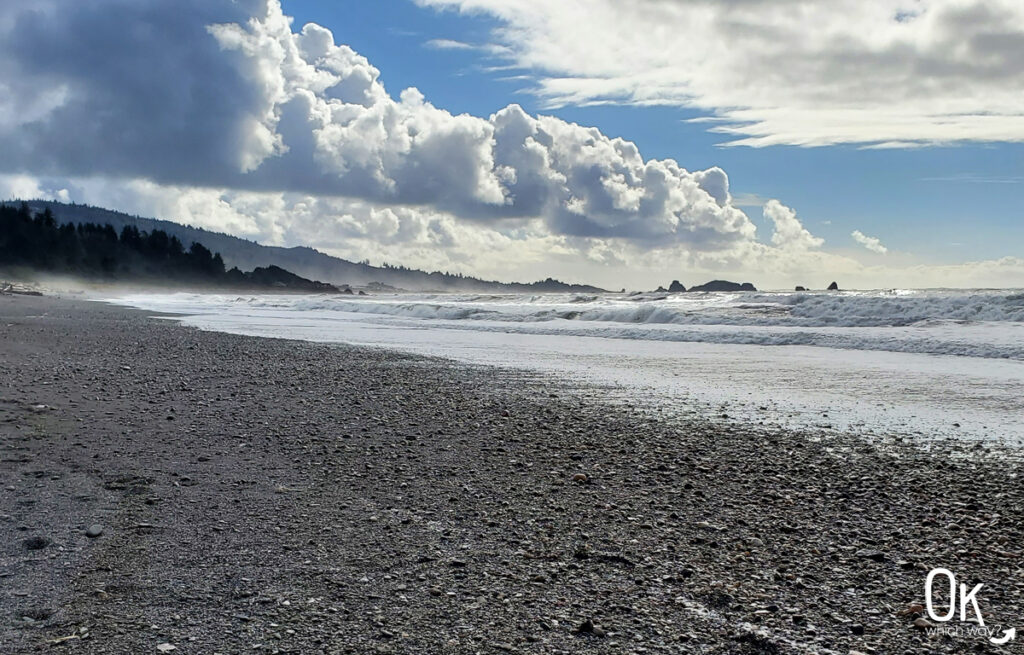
(501, 326)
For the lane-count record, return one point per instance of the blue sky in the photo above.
(946, 203)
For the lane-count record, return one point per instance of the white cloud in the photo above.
(871, 243)
(27, 187)
(789, 234)
(451, 44)
(22, 187)
(448, 44)
(890, 73)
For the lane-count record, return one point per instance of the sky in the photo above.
(783, 142)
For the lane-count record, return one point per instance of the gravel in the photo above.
(315, 499)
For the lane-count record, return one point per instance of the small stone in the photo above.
(94, 530)
(857, 629)
(166, 648)
(913, 608)
(580, 478)
(873, 555)
(588, 627)
(922, 623)
(35, 543)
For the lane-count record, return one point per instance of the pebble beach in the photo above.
(170, 489)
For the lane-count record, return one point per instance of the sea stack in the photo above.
(724, 285)
(833, 287)
(676, 287)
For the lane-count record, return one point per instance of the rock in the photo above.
(94, 531)
(799, 288)
(362, 293)
(923, 624)
(724, 285)
(913, 608)
(580, 478)
(661, 289)
(833, 287)
(873, 555)
(20, 289)
(857, 629)
(676, 287)
(35, 543)
(166, 648)
(588, 627)
(277, 277)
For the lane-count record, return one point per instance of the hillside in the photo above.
(36, 242)
(303, 261)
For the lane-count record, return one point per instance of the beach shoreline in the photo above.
(279, 496)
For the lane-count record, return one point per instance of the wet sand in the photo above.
(263, 495)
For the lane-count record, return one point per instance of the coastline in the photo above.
(322, 498)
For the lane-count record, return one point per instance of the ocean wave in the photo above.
(987, 324)
(1011, 347)
(753, 309)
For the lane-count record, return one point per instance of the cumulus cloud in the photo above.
(883, 73)
(110, 87)
(226, 94)
(871, 243)
(789, 233)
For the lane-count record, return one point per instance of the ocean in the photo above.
(920, 364)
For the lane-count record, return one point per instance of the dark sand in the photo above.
(264, 496)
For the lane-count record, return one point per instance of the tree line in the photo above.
(39, 242)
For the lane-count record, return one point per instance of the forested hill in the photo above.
(38, 242)
(303, 261)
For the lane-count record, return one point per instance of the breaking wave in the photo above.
(981, 323)
(878, 309)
